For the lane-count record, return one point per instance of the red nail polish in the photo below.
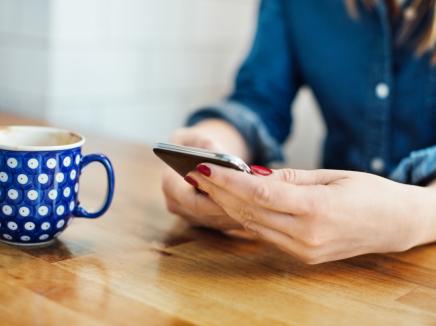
(191, 181)
(257, 169)
(204, 170)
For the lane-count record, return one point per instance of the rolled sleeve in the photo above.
(265, 148)
(419, 168)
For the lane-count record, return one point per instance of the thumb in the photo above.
(300, 177)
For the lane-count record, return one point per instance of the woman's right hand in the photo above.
(182, 198)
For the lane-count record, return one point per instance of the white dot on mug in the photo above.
(76, 188)
(67, 161)
(45, 226)
(53, 194)
(43, 237)
(7, 210)
(7, 236)
(72, 205)
(60, 210)
(43, 178)
(60, 177)
(25, 238)
(12, 226)
(12, 162)
(24, 211)
(33, 163)
(29, 226)
(13, 194)
(22, 179)
(77, 159)
(73, 174)
(60, 224)
(4, 177)
(43, 210)
(32, 194)
(67, 192)
(51, 163)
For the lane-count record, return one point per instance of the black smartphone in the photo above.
(184, 159)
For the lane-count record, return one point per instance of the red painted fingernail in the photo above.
(257, 169)
(204, 170)
(191, 181)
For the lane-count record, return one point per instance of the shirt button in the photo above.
(377, 164)
(382, 90)
(410, 14)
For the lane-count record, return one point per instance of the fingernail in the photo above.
(191, 181)
(257, 169)
(204, 170)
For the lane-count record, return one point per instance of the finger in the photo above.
(268, 193)
(202, 212)
(185, 199)
(244, 212)
(284, 242)
(299, 177)
(192, 202)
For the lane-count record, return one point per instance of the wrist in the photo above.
(227, 135)
(424, 214)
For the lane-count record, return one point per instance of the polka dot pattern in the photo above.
(38, 192)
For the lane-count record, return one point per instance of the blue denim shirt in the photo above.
(378, 99)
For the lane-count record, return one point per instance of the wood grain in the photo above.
(138, 265)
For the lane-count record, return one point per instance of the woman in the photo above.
(372, 67)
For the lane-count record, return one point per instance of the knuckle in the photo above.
(250, 227)
(313, 237)
(245, 213)
(172, 207)
(314, 241)
(226, 180)
(206, 143)
(289, 175)
(261, 194)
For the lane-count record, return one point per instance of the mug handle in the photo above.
(79, 211)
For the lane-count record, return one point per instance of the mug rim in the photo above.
(36, 148)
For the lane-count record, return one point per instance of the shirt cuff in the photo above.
(264, 148)
(419, 168)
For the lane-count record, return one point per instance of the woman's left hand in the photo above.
(320, 215)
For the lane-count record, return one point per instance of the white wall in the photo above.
(138, 65)
(24, 56)
(128, 68)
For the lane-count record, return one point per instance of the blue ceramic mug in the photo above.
(40, 169)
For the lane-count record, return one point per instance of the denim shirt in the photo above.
(378, 99)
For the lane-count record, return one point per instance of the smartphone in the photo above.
(184, 159)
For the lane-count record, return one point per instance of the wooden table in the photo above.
(140, 265)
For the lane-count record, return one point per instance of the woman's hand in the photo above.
(322, 215)
(183, 199)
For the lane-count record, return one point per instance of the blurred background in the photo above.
(132, 69)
